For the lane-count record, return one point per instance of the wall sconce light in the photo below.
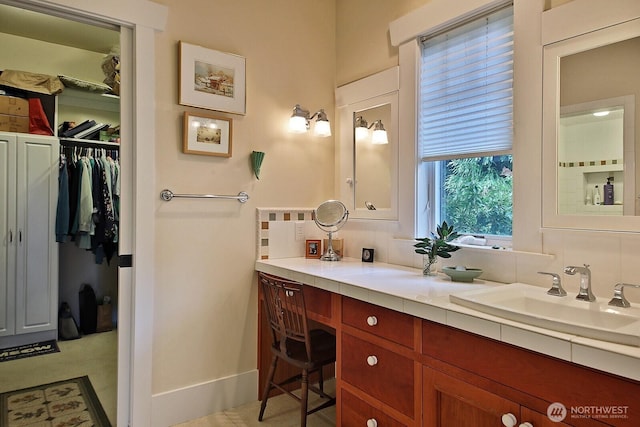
(379, 135)
(299, 122)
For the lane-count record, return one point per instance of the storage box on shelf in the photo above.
(14, 114)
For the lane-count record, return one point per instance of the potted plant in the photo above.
(438, 245)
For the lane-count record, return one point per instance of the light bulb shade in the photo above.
(299, 121)
(362, 133)
(361, 129)
(322, 128)
(379, 133)
(297, 124)
(379, 137)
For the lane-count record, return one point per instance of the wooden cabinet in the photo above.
(398, 370)
(379, 373)
(467, 376)
(382, 322)
(356, 412)
(28, 253)
(449, 402)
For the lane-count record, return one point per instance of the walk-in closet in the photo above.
(59, 193)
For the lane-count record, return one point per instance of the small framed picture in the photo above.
(367, 255)
(207, 135)
(313, 249)
(212, 79)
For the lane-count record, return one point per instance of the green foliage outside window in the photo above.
(478, 195)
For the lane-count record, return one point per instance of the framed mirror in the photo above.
(591, 148)
(367, 174)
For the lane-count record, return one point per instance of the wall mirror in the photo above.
(367, 176)
(591, 147)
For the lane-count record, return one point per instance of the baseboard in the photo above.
(188, 403)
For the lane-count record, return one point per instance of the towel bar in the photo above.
(167, 195)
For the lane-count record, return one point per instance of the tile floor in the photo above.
(282, 411)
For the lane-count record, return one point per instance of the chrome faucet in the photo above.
(556, 288)
(618, 299)
(584, 294)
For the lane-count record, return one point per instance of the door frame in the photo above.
(138, 20)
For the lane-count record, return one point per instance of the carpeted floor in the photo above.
(93, 355)
(63, 403)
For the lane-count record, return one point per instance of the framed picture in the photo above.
(211, 79)
(313, 249)
(207, 135)
(337, 244)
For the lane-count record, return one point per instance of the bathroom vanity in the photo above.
(407, 356)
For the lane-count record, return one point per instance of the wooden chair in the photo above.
(294, 343)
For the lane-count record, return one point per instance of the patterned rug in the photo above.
(61, 404)
(28, 350)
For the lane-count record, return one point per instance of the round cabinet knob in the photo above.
(372, 361)
(527, 424)
(372, 320)
(349, 181)
(509, 420)
(371, 422)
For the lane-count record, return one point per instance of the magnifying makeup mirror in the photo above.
(330, 216)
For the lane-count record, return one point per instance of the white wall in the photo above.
(609, 254)
(205, 325)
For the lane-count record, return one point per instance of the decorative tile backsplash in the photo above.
(590, 163)
(271, 220)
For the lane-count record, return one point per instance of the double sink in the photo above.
(533, 306)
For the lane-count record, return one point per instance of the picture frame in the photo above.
(207, 135)
(212, 79)
(313, 249)
(337, 244)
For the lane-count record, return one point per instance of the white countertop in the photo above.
(406, 290)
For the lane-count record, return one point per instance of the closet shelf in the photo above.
(89, 143)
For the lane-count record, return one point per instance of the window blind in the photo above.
(466, 89)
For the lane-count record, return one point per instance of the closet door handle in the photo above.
(20, 236)
(10, 236)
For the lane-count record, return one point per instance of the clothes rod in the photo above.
(85, 143)
(167, 195)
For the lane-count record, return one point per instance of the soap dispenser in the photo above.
(596, 196)
(608, 192)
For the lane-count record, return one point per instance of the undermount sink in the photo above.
(532, 305)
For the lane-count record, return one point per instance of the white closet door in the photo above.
(7, 233)
(37, 257)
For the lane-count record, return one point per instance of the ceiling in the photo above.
(66, 32)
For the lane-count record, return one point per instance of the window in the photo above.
(465, 124)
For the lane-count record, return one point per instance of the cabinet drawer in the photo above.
(356, 413)
(317, 301)
(383, 322)
(380, 373)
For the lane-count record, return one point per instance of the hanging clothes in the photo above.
(62, 209)
(87, 213)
